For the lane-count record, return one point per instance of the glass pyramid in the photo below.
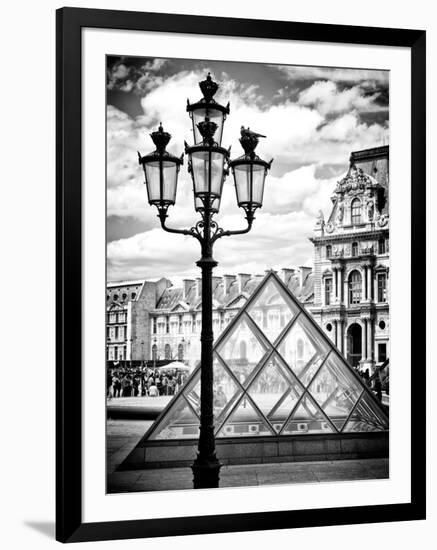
(275, 373)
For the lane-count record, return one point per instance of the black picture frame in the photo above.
(69, 524)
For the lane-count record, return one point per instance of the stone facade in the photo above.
(351, 261)
(127, 317)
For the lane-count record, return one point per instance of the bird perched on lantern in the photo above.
(249, 140)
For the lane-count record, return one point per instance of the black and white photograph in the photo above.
(247, 274)
(218, 280)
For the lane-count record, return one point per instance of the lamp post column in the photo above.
(206, 163)
(206, 467)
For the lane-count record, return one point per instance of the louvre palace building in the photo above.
(346, 291)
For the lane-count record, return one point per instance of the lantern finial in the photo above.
(208, 87)
(160, 138)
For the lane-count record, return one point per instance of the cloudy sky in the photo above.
(313, 118)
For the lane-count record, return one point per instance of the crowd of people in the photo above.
(145, 381)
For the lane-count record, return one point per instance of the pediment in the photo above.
(180, 306)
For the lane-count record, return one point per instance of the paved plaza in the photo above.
(123, 435)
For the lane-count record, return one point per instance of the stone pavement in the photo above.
(124, 435)
(167, 479)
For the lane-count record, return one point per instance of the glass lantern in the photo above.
(161, 170)
(207, 107)
(207, 165)
(249, 177)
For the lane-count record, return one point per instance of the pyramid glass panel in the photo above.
(283, 408)
(366, 417)
(272, 310)
(180, 422)
(244, 421)
(226, 390)
(303, 349)
(192, 392)
(269, 385)
(336, 390)
(307, 418)
(297, 385)
(242, 350)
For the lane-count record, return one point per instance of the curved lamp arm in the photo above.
(219, 232)
(193, 231)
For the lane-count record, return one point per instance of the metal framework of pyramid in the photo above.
(275, 373)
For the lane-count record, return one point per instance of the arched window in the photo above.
(154, 352)
(181, 352)
(167, 351)
(355, 287)
(354, 249)
(328, 251)
(243, 350)
(356, 212)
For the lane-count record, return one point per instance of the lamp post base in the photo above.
(206, 474)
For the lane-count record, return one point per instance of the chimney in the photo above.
(242, 280)
(304, 271)
(285, 274)
(187, 284)
(198, 287)
(227, 281)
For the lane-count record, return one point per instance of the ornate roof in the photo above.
(355, 179)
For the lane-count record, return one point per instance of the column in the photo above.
(370, 355)
(363, 284)
(369, 284)
(364, 346)
(366, 272)
(340, 284)
(372, 295)
(342, 336)
(344, 340)
(335, 277)
(345, 292)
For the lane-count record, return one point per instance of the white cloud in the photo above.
(138, 80)
(124, 138)
(154, 253)
(325, 96)
(332, 73)
(298, 135)
(298, 190)
(285, 125)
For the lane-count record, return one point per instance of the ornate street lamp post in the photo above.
(208, 164)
